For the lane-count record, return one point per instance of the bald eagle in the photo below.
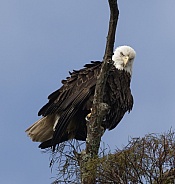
(64, 117)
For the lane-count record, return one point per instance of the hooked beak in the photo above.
(125, 60)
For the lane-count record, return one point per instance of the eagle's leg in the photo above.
(104, 110)
(89, 115)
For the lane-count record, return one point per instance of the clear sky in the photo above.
(41, 40)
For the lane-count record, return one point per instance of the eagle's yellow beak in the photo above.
(125, 60)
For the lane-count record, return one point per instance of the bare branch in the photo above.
(94, 129)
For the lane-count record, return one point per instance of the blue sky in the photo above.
(41, 40)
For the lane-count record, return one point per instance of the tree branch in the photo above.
(88, 161)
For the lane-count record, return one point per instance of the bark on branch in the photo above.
(88, 159)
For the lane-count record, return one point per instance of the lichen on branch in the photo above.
(94, 129)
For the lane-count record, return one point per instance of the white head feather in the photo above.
(123, 58)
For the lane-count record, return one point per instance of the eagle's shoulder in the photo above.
(77, 80)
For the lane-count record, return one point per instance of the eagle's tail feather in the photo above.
(42, 130)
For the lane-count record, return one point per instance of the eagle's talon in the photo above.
(87, 118)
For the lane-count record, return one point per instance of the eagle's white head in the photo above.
(123, 58)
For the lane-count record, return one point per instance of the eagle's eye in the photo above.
(121, 53)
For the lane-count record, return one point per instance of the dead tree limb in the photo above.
(88, 159)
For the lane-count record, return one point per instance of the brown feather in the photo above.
(73, 102)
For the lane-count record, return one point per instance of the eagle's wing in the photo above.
(71, 97)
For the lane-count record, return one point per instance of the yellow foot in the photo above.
(88, 116)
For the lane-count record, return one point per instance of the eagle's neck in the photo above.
(127, 68)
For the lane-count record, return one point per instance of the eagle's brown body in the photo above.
(69, 105)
